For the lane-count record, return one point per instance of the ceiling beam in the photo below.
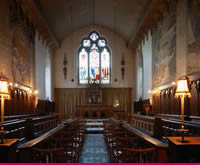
(153, 15)
(148, 6)
(32, 11)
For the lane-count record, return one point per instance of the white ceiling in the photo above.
(65, 16)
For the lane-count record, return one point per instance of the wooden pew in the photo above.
(25, 150)
(161, 148)
(170, 128)
(144, 123)
(30, 127)
(162, 128)
(23, 116)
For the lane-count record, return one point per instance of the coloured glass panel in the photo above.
(86, 43)
(94, 36)
(105, 67)
(101, 43)
(83, 67)
(94, 66)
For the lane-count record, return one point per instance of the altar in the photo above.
(94, 107)
(95, 111)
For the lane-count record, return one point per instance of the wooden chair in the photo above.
(50, 155)
(120, 143)
(133, 155)
(70, 146)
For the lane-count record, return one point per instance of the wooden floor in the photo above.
(94, 150)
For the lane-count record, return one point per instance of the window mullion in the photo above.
(100, 67)
(88, 67)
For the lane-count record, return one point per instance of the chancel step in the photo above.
(94, 126)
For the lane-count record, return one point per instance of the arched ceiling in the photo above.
(65, 16)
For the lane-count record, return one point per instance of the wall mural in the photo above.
(164, 50)
(193, 36)
(21, 53)
(23, 38)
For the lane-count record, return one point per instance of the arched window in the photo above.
(94, 60)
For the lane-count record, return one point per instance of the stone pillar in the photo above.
(181, 38)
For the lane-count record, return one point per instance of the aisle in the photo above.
(94, 150)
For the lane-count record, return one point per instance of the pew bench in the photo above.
(161, 148)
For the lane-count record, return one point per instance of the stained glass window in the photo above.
(94, 60)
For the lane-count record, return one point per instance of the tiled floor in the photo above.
(94, 150)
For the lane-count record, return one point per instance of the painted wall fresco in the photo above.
(193, 56)
(164, 50)
(21, 58)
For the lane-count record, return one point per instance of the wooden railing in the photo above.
(161, 128)
(144, 123)
(15, 129)
(44, 123)
(162, 148)
(25, 149)
(170, 128)
(30, 127)
(14, 117)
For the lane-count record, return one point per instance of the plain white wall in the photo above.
(147, 66)
(139, 74)
(40, 58)
(43, 69)
(48, 70)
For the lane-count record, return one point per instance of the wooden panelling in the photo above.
(20, 102)
(165, 102)
(68, 99)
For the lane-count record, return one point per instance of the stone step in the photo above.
(94, 130)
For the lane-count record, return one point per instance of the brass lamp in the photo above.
(4, 95)
(182, 91)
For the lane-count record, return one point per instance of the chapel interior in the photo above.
(100, 81)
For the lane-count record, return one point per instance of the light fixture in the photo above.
(11, 84)
(36, 92)
(173, 83)
(4, 95)
(182, 91)
(30, 92)
(116, 103)
(150, 100)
